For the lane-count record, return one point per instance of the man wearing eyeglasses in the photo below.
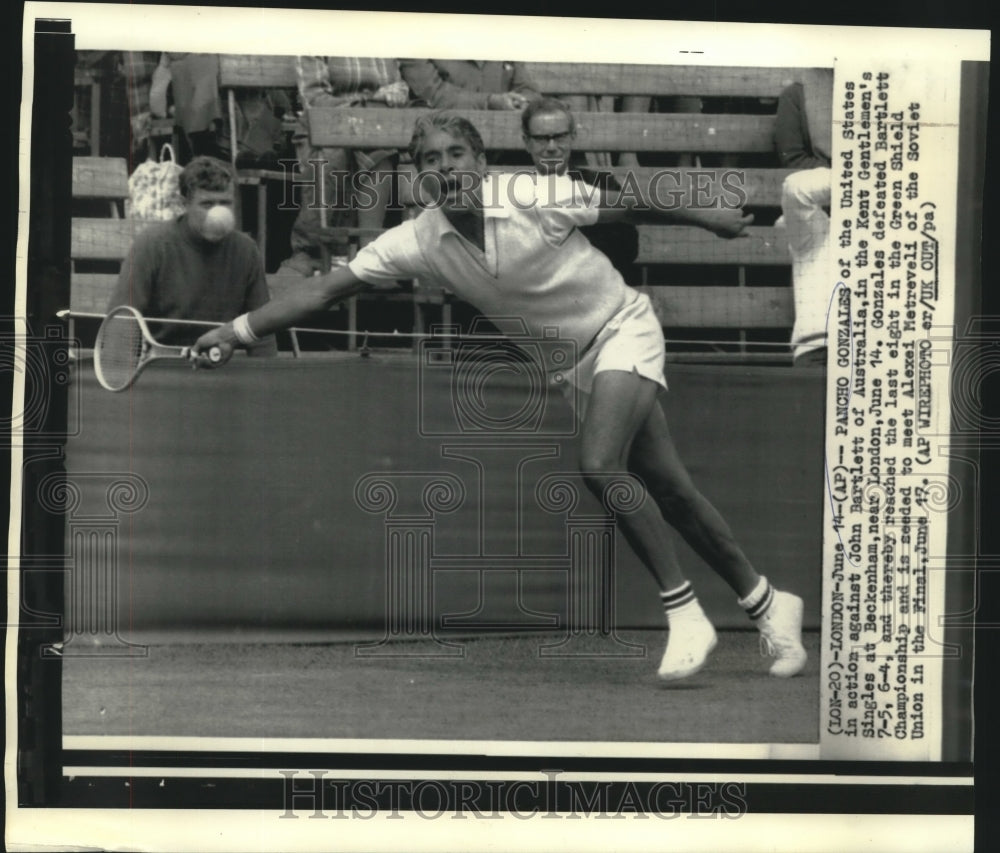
(548, 130)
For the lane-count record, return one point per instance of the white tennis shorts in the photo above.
(632, 341)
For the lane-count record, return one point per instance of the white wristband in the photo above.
(244, 334)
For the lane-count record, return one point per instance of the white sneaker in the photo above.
(688, 646)
(781, 634)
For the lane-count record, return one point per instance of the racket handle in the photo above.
(214, 354)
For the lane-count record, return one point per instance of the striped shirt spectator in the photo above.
(340, 81)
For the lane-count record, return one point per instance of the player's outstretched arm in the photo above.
(315, 296)
(724, 222)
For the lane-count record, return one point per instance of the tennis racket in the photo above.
(124, 347)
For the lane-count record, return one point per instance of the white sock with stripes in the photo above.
(681, 604)
(759, 599)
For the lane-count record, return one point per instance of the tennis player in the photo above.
(510, 245)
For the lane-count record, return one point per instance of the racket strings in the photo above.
(119, 349)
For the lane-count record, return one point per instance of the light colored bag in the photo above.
(154, 189)
(158, 88)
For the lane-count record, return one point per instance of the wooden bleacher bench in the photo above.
(104, 239)
(678, 306)
(98, 240)
(609, 78)
(339, 127)
(104, 178)
(258, 72)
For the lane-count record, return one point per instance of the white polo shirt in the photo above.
(536, 265)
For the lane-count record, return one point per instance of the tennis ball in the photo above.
(219, 221)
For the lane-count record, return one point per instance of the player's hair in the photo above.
(450, 123)
(206, 173)
(545, 105)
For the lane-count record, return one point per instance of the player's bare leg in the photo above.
(778, 615)
(620, 403)
(655, 459)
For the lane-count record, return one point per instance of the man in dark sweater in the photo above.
(548, 130)
(196, 267)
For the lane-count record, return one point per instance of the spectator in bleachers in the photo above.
(138, 69)
(198, 113)
(468, 84)
(190, 81)
(803, 137)
(260, 134)
(337, 81)
(548, 129)
(197, 266)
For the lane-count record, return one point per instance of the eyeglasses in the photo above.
(546, 138)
